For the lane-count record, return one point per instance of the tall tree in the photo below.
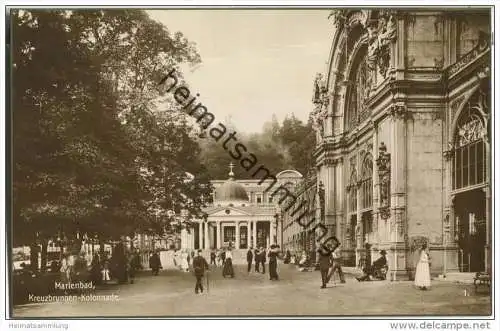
(86, 126)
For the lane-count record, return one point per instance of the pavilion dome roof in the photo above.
(231, 190)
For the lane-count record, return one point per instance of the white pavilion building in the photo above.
(242, 215)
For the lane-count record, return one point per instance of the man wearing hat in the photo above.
(273, 262)
(379, 263)
(249, 258)
(325, 262)
(199, 266)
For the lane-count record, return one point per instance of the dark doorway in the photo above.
(367, 220)
(470, 219)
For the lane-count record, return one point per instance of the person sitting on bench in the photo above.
(368, 271)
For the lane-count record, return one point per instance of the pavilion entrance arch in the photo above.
(471, 184)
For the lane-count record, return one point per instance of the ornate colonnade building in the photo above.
(243, 214)
(403, 140)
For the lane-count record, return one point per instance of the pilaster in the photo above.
(200, 235)
(398, 252)
(218, 226)
(375, 194)
(254, 233)
(237, 243)
(207, 242)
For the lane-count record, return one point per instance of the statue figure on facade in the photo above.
(380, 35)
(373, 46)
(319, 87)
(338, 16)
(321, 194)
(358, 238)
(384, 173)
(320, 94)
(387, 29)
(321, 100)
(317, 124)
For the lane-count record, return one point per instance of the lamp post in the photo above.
(205, 239)
(276, 221)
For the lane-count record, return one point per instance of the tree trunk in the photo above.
(34, 257)
(44, 255)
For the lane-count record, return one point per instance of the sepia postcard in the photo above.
(251, 162)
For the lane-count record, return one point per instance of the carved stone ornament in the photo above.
(380, 36)
(338, 16)
(320, 95)
(384, 173)
(455, 104)
(398, 111)
(481, 47)
(448, 154)
(416, 243)
(321, 195)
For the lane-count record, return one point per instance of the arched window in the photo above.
(357, 113)
(353, 194)
(469, 155)
(367, 183)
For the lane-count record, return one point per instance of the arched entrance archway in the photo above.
(470, 182)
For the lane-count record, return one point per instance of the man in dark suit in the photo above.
(369, 270)
(249, 259)
(325, 262)
(212, 257)
(263, 259)
(199, 267)
(257, 260)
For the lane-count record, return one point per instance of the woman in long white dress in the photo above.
(422, 273)
(184, 261)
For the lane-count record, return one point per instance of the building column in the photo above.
(378, 230)
(200, 235)
(249, 235)
(487, 193)
(218, 226)
(360, 238)
(254, 233)
(340, 220)
(207, 244)
(398, 258)
(450, 247)
(271, 233)
(237, 243)
(487, 251)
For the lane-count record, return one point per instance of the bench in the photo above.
(482, 279)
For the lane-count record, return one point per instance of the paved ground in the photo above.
(297, 293)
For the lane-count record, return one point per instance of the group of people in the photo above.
(122, 266)
(259, 256)
(329, 263)
(379, 267)
(182, 259)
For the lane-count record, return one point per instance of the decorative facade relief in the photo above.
(381, 34)
(399, 111)
(447, 238)
(482, 46)
(384, 173)
(455, 104)
(321, 100)
(338, 16)
(321, 195)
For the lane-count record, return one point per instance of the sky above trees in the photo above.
(255, 63)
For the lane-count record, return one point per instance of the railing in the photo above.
(482, 47)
